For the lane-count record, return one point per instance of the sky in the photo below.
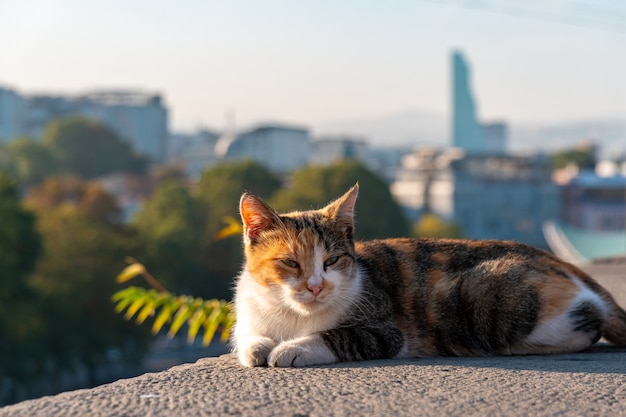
(307, 62)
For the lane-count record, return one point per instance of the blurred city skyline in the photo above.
(324, 64)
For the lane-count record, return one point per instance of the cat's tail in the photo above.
(614, 329)
(614, 326)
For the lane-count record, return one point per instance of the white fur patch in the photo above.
(268, 312)
(318, 267)
(305, 351)
(404, 352)
(559, 331)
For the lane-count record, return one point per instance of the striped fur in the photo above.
(309, 294)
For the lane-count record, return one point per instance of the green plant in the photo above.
(212, 316)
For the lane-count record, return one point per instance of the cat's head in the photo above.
(307, 258)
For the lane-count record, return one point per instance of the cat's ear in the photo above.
(342, 209)
(256, 215)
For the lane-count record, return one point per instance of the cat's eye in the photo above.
(290, 263)
(331, 261)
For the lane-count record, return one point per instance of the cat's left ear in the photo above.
(257, 217)
(342, 209)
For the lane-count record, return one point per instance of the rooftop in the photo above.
(580, 246)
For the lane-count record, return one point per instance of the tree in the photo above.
(84, 246)
(220, 189)
(89, 149)
(73, 278)
(221, 186)
(377, 213)
(20, 247)
(33, 160)
(431, 225)
(179, 231)
(90, 198)
(171, 227)
(7, 162)
(583, 156)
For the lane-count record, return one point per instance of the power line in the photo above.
(592, 15)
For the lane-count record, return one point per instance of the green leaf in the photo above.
(163, 317)
(211, 324)
(233, 227)
(181, 316)
(130, 272)
(147, 310)
(123, 293)
(126, 297)
(212, 315)
(135, 306)
(229, 321)
(194, 324)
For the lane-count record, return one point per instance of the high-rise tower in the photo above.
(467, 133)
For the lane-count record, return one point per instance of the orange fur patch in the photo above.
(555, 294)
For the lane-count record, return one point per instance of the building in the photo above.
(595, 203)
(330, 149)
(581, 246)
(280, 148)
(496, 137)
(504, 197)
(42, 109)
(136, 116)
(141, 118)
(194, 152)
(467, 133)
(12, 115)
(425, 182)
(592, 221)
(387, 161)
(489, 196)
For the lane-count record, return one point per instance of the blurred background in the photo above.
(132, 128)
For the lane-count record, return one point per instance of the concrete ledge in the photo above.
(589, 383)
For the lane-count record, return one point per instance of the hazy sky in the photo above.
(312, 61)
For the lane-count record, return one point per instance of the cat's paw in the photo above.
(256, 351)
(309, 350)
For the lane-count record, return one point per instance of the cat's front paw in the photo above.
(310, 350)
(256, 351)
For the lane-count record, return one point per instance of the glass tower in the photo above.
(467, 133)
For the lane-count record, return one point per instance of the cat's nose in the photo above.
(315, 289)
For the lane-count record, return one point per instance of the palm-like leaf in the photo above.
(210, 316)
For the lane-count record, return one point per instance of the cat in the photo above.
(309, 294)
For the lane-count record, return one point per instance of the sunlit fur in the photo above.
(308, 294)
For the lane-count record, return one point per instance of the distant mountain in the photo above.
(427, 128)
(411, 127)
(610, 135)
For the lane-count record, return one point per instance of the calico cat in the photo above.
(309, 294)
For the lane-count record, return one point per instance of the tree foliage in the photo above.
(171, 227)
(220, 189)
(431, 225)
(33, 161)
(19, 242)
(377, 213)
(82, 251)
(583, 157)
(88, 149)
(89, 197)
(221, 186)
(178, 228)
(7, 162)
(20, 324)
